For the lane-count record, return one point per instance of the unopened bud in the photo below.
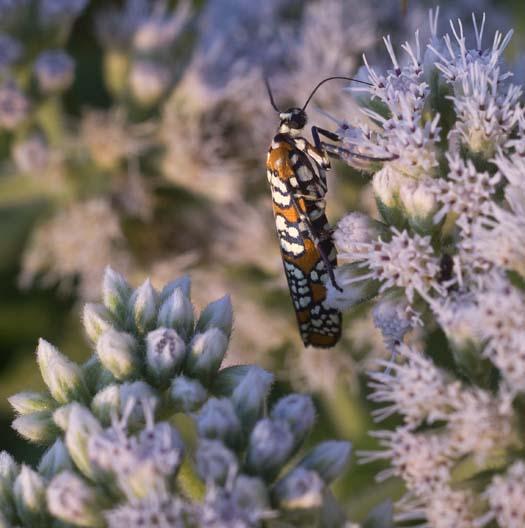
(299, 412)
(117, 351)
(143, 307)
(72, 500)
(271, 445)
(249, 398)
(9, 470)
(54, 71)
(116, 293)
(328, 459)
(218, 314)
(165, 353)
(64, 379)
(137, 391)
(106, 403)
(419, 203)
(81, 426)
(96, 319)
(215, 462)
(54, 460)
(183, 283)
(36, 427)
(29, 492)
(205, 355)
(217, 420)
(300, 489)
(29, 402)
(177, 312)
(187, 394)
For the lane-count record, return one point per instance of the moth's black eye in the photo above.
(298, 120)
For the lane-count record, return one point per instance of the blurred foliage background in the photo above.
(141, 143)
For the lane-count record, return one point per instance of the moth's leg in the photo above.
(316, 237)
(334, 151)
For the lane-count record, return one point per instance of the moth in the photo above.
(296, 172)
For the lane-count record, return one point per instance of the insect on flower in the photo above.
(296, 171)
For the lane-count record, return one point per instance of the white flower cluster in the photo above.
(446, 131)
(113, 461)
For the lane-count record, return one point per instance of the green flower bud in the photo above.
(96, 319)
(419, 204)
(299, 412)
(73, 500)
(217, 420)
(29, 402)
(271, 445)
(229, 378)
(386, 184)
(328, 459)
(54, 460)
(81, 425)
(36, 427)
(187, 394)
(116, 293)
(61, 416)
(300, 489)
(249, 398)
(205, 355)
(138, 391)
(165, 353)
(183, 283)
(29, 492)
(9, 471)
(64, 379)
(215, 462)
(117, 351)
(106, 403)
(143, 307)
(251, 494)
(218, 314)
(177, 312)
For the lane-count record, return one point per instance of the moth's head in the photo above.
(293, 120)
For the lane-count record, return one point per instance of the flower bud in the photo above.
(177, 312)
(218, 314)
(229, 378)
(96, 319)
(143, 307)
(29, 402)
(81, 426)
(183, 283)
(96, 375)
(64, 379)
(299, 412)
(54, 71)
(249, 398)
(327, 459)
(300, 489)
(117, 351)
(386, 188)
(29, 492)
(149, 82)
(215, 462)
(165, 353)
(187, 394)
(116, 293)
(419, 203)
(9, 470)
(217, 420)
(106, 403)
(251, 493)
(270, 446)
(61, 416)
(36, 427)
(205, 355)
(54, 460)
(72, 500)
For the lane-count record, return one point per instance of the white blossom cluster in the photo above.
(115, 455)
(445, 129)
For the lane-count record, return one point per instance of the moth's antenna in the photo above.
(329, 79)
(272, 101)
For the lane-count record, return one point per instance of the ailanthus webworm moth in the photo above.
(296, 174)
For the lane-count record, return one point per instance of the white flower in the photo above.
(505, 497)
(415, 388)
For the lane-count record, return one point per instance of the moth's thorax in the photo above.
(284, 128)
